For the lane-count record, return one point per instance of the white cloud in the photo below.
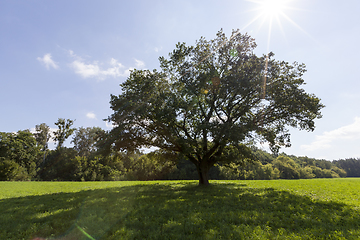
(91, 115)
(86, 70)
(139, 64)
(115, 70)
(95, 70)
(324, 141)
(47, 61)
(115, 63)
(72, 54)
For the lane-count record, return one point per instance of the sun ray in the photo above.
(267, 10)
(298, 27)
(281, 28)
(251, 22)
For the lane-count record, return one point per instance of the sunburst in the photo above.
(269, 10)
(272, 8)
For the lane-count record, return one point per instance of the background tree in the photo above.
(42, 136)
(209, 101)
(152, 166)
(350, 165)
(64, 131)
(19, 156)
(287, 167)
(86, 140)
(59, 165)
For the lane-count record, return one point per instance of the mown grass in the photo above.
(276, 209)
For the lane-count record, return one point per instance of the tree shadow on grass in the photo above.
(64, 215)
(230, 211)
(177, 210)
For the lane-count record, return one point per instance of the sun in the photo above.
(272, 8)
(270, 13)
(268, 10)
(273, 12)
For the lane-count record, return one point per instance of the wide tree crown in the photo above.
(212, 97)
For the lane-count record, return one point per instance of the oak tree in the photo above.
(208, 102)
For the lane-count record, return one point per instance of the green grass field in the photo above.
(276, 209)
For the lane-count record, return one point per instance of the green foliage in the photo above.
(350, 165)
(66, 165)
(153, 166)
(86, 139)
(208, 104)
(64, 131)
(339, 171)
(287, 168)
(42, 135)
(262, 156)
(19, 156)
(280, 209)
(323, 173)
(58, 165)
(184, 170)
(306, 173)
(249, 171)
(12, 171)
(20, 160)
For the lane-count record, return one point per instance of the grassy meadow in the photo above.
(262, 209)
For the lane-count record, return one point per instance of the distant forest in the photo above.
(24, 156)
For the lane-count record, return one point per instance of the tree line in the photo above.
(25, 156)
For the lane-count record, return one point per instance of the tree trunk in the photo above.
(203, 171)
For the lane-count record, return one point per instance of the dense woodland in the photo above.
(24, 156)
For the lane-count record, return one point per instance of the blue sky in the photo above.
(65, 58)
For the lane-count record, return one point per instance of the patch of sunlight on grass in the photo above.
(47, 214)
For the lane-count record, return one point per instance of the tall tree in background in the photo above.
(86, 139)
(42, 136)
(19, 156)
(64, 131)
(209, 101)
